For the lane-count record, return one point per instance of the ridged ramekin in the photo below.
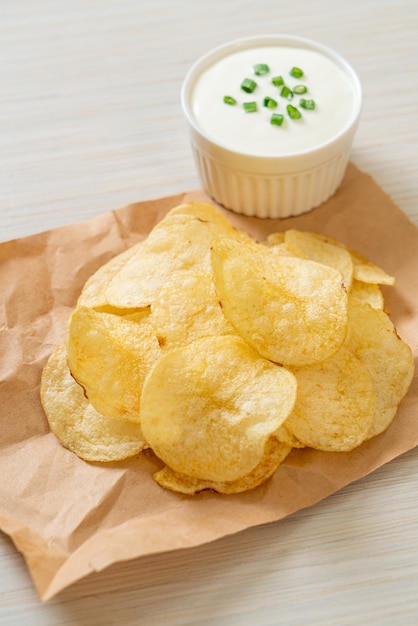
(270, 186)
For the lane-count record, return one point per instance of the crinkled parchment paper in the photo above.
(70, 518)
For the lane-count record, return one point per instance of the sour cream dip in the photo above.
(261, 151)
(325, 83)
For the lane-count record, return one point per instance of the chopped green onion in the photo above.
(248, 85)
(286, 93)
(229, 100)
(276, 119)
(299, 89)
(260, 69)
(277, 81)
(307, 104)
(250, 107)
(269, 103)
(293, 112)
(296, 72)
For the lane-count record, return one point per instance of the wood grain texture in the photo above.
(90, 120)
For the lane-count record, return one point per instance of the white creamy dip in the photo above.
(252, 133)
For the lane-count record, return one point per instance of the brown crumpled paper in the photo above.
(70, 518)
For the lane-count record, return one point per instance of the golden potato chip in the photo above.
(77, 425)
(367, 292)
(281, 249)
(369, 272)
(179, 243)
(207, 213)
(306, 246)
(93, 293)
(361, 277)
(276, 239)
(274, 454)
(189, 310)
(110, 356)
(363, 269)
(208, 408)
(335, 403)
(375, 342)
(292, 311)
(283, 435)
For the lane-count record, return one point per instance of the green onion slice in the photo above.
(229, 100)
(296, 72)
(277, 81)
(276, 119)
(248, 85)
(299, 89)
(286, 93)
(260, 69)
(293, 112)
(269, 103)
(250, 107)
(307, 104)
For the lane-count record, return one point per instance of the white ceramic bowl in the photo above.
(270, 184)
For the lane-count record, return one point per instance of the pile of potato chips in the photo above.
(222, 354)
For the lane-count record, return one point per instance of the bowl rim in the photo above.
(241, 43)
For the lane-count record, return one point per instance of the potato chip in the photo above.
(363, 269)
(208, 408)
(283, 435)
(305, 245)
(335, 404)
(367, 292)
(281, 249)
(189, 310)
(276, 239)
(292, 311)
(374, 340)
(93, 293)
(180, 242)
(207, 213)
(110, 356)
(274, 455)
(77, 425)
(365, 284)
(369, 272)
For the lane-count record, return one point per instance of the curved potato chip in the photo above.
(292, 311)
(207, 213)
(180, 242)
(367, 292)
(208, 408)
(110, 356)
(77, 425)
(374, 340)
(93, 293)
(276, 239)
(305, 245)
(369, 272)
(188, 310)
(332, 252)
(274, 454)
(281, 249)
(363, 269)
(283, 435)
(335, 403)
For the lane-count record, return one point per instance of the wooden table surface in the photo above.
(90, 120)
